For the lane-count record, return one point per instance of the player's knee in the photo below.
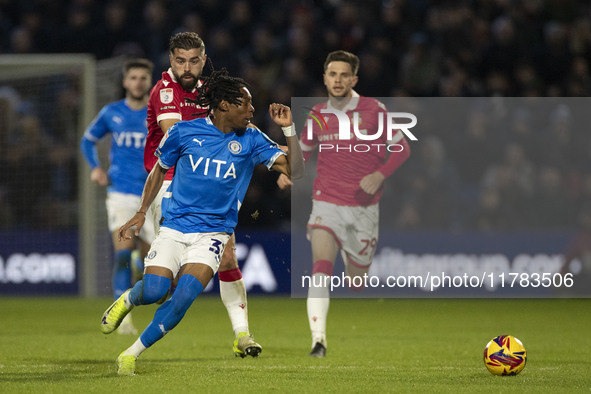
(155, 288)
(228, 261)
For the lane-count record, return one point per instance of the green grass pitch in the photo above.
(53, 345)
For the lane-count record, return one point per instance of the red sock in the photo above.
(322, 267)
(230, 275)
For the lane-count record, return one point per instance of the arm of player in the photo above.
(371, 183)
(284, 182)
(149, 158)
(89, 151)
(151, 188)
(308, 144)
(99, 176)
(291, 165)
(166, 124)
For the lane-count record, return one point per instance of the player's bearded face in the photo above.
(187, 66)
(187, 80)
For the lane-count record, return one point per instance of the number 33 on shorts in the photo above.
(217, 248)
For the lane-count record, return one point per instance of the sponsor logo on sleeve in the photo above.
(166, 95)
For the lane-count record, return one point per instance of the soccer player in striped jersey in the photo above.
(214, 157)
(348, 186)
(125, 120)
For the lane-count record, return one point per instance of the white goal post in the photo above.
(96, 84)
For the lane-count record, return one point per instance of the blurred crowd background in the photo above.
(533, 176)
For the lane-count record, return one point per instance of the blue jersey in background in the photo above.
(213, 171)
(128, 137)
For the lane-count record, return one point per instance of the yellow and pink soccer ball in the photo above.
(505, 355)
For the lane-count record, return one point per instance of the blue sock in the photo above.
(139, 263)
(149, 290)
(172, 311)
(121, 272)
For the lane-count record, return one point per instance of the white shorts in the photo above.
(172, 249)
(354, 228)
(121, 207)
(155, 209)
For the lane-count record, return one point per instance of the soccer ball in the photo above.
(505, 355)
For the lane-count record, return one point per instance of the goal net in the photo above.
(52, 219)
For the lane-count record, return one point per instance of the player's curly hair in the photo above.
(217, 87)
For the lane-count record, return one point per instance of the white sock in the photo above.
(233, 296)
(318, 302)
(136, 349)
(127, 302)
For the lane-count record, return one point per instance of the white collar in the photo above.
(351, 105)
(171, 75)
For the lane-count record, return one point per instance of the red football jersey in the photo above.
(167, 101)
(343, 163)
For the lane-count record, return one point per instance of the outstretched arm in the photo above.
(151, 188)
(291, 165)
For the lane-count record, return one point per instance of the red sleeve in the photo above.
(395, 159)
(152, 141)
(164, 101)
